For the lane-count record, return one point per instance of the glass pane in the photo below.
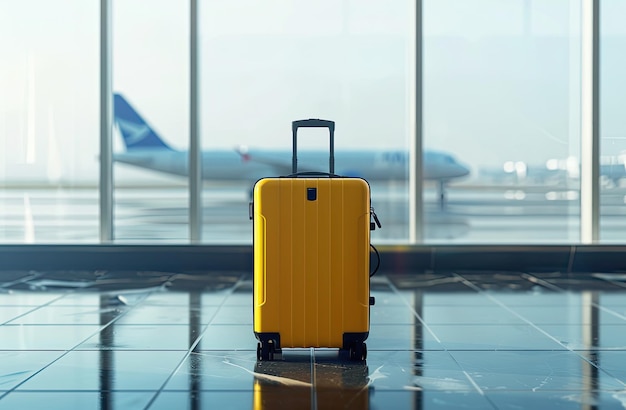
(502, 97)
(49, 129)
(151, 138)
(289, 60)
(612, 125)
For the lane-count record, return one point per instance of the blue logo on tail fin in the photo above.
(136, 133)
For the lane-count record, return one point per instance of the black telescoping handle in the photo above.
(313, 123)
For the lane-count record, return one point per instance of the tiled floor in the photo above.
(134, 340)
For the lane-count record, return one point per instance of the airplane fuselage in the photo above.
(230, 165)
(146, 149)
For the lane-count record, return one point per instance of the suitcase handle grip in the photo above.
(313, 123)
(312, 174)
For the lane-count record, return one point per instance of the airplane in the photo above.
(146, 149)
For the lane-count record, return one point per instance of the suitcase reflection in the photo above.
(339, 384)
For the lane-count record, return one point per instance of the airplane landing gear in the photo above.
(442, 195)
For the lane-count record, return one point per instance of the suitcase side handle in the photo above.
(313, 123)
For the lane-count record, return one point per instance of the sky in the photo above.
(501, 78)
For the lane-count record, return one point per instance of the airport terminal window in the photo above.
(501, 90)
(151, 136)
(501, 94)
(49, 122)
(288, 60)
(612, 126)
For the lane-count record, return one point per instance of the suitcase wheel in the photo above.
(358, 352)
(265, 351)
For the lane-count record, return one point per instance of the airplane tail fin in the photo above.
(137, 134)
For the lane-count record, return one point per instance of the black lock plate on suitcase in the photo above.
(311, 194)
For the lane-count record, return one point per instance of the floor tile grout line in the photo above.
(444, 349)
(405, 302)
(542, 282)
(415, 314)
(313, 379)
(617, 283)
(498, 302)
(193, 346)
(244, 390)
(24, 391)
(470, 378)
(467, 375)
(23, 279)
(539, 329)
(72, 291)
(34, 309)
(611, 312)
(545, 283)
(66, 352)
(67, 293)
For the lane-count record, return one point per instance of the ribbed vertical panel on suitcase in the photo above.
(311, 259)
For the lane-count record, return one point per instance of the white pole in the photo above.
(106, 125)
(590, 124)
(195, 156)
(416, 217)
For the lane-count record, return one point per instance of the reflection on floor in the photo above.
(460, 340)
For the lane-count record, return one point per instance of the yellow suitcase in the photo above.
(311, 259)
